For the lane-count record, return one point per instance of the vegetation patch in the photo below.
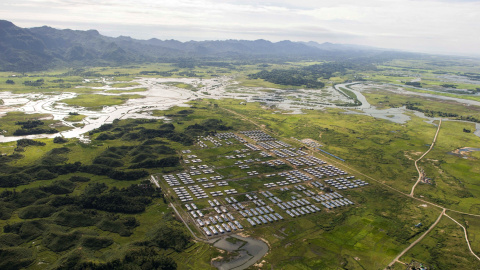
(36, 211)
(95, 101)
(58, 241)
(95, 243)
(142, 89)
(20, 124)
(15, 258)
(116, 224)
(124, 84)
(75, 117)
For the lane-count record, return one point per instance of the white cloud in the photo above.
(421, 25)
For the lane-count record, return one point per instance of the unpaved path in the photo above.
(424, 154)
(416, 241)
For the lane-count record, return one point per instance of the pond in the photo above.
(250, 251)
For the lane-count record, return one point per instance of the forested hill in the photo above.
(39, 48)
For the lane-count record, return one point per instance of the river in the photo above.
(161, 95)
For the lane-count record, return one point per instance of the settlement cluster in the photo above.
(257, 179)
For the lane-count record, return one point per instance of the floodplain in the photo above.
(181, 120)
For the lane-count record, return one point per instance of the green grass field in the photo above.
(8, 122)
(367, 235)
(94, 101)
(75, 118)
(126, 91)
(443, 248)
(124, 85)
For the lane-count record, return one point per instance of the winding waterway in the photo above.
(162, 95)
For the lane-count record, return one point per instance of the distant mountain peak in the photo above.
(46, 47)
(93, 32)
(6, 24)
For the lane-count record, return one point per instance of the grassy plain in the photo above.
(85, 153)
(366, 236)
(443, 248)
(75, 117)
(124, 84)
(127, 90)
(96, 101)
(8, 122)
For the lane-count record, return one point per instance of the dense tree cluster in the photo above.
(206, 127)
(38, 82)
(31, 127)
(169, 233)
(167, 131)
(13, 180)
(446, 85)
(29, 142)
(309, 76)
(433, 113)
(114, 174)
(133, 199)
(39, 202)
(59, 139)
(126, 132)
(33, 131)
(416, 84)
(472, 76)
(157, 163)
(155, 72)
(63, 219)
(49, 216)
(144, 258)
(30, 123)
(42, 172)
(293, 77)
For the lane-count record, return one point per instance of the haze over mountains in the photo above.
(39, 48)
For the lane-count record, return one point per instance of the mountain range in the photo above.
(40, 48)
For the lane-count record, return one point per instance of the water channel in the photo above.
(161, 94)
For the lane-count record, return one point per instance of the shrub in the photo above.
(106, 136)
(96, 243)
(26, 197)
(157, 163)
(58, 241)
(140, 157)
(122, 226)
(6, 210)
(10, 240)
(58, 201)
(108, 161)
(14, 180)
(28, 142)
(32, 131)
(77, 178)
(153, 142)
(59, 187)
(27, 230)
(170, 234)
(45, 175)
(15, 258)
(36, 211)
(73, 219)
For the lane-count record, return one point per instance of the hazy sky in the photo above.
(436, 26)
